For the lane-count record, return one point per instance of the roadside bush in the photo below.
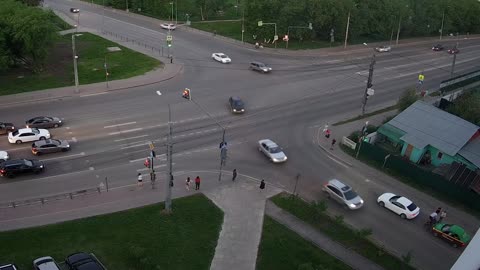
(407, 98)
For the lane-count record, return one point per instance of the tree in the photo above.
(408, 97)
(467, 106)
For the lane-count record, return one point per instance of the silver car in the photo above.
(383, 49)
(343, 194)
(261, 67)
(271, 150)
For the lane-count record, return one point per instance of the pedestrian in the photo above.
(433, 218)
(197, 182)
(234, 175)
(262, 185)
(443, 215)
(187, 183)
(333, 143)
(327, 134)
(139, 180)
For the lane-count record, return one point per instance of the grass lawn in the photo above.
(92, 52)
(339, 231)
(141, 238)
(280, 248)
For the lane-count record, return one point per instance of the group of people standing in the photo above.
(437, 216)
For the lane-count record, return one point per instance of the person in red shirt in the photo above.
(197, 183)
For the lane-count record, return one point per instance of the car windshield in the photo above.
(15, 133)
(35, 130)
(350, 194)
(238, 103)
(412, 207)
(223, 56)
(275, 150)
(28, 162)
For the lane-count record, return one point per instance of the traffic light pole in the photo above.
(369, 83)
(169, 178)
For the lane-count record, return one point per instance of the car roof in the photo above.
(43, 142)
(46, 263)
(236, 98)
(268, 142)
(404, 201)
(337, 183)
(256, 62)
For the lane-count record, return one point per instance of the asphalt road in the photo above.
(110, 133)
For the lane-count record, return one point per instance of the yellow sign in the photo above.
(421, 77)
(151, 146)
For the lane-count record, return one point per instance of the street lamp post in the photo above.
(75, 57)
(243, 19)
(126, 5)
(346, 32)
(368, 89)
(441, 27)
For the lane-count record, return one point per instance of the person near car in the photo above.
(234, 174)
(197, 182)
(187, 183)
(139, 180)
(443, 215)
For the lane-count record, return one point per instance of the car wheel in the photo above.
(42, 138)
(18, 142)
(382, 204)
(65, 149)
(403, 216)
(38, 153)
(55, 126)
(10, 175)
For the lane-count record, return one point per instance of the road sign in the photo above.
(260, 23)
(421, 77)
(275, 38)
(169, 38)
(370, 91)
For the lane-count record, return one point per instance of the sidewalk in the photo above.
(324, 242)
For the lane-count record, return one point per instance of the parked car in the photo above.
(343, 194)
(82, 260)
(28, 135)
(74, 10)
(272, 151)
(44, 122)
(168, 26)
(261, 67)
(399, 205)
(453, 50)
(14, 167)
(8, 267)
(236, 105)
(3, 156)
(438, 47)
(383, 49)
(221, 57)
(50, 146)
(45, 263)
(5, 128)
(454, 234)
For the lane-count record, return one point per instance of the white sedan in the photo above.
(168, 26)
(272, 151)
(28, 135)
(3, 156)
(221, 57)
(383, 49)
(399, 205)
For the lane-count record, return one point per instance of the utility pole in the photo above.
(454, 59)
(169, 179)
(75, 69)
(243, 19)
(398, 31)
(369, 84)
(346, 32)
(441, 27)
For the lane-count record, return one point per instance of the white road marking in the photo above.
(61, 157)
(149, 30)
(159, 93)
(160, 157)
(136, 137)
(91, 168)
(19, 148)
(156, 167)
(119, 125)
(74, 139)
(95, 94)
(125, 131)
(341, 163)
(67, 128)
(135, 145)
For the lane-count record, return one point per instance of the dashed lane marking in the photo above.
(91, 168)
(125, 131)
(160, 157)
(62, 157)
(135, 145)
(156, 167)
(74, 139)
(135, 137)
(95, 94)
(119, 125)
(341, 163)
(159, 93)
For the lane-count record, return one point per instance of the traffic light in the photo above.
(169, 43)
(186, 94)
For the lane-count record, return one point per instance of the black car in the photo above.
(453, 50)
(82, 260)
(44, 122)
(236, 105)
(74, 10)
(6, 127)
(14, 167)
(438, 47)
(49, 146)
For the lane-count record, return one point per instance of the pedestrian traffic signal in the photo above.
(169, 43)
(186, 94)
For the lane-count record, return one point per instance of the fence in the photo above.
(134, 42)
(410, 172)
(56, 197)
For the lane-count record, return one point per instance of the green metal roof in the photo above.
(393, 133)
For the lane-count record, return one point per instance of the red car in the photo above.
(453, 51)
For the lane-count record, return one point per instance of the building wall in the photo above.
(415, 155)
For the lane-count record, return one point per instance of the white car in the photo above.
(28, 135)
(399, 205)
(271, 150)
(168, 26)
(221, 57)
(4, 156)
(383, 49)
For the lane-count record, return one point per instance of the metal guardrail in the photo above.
(135, 42)
(57, 197)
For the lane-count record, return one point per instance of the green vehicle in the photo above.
(454, 234)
